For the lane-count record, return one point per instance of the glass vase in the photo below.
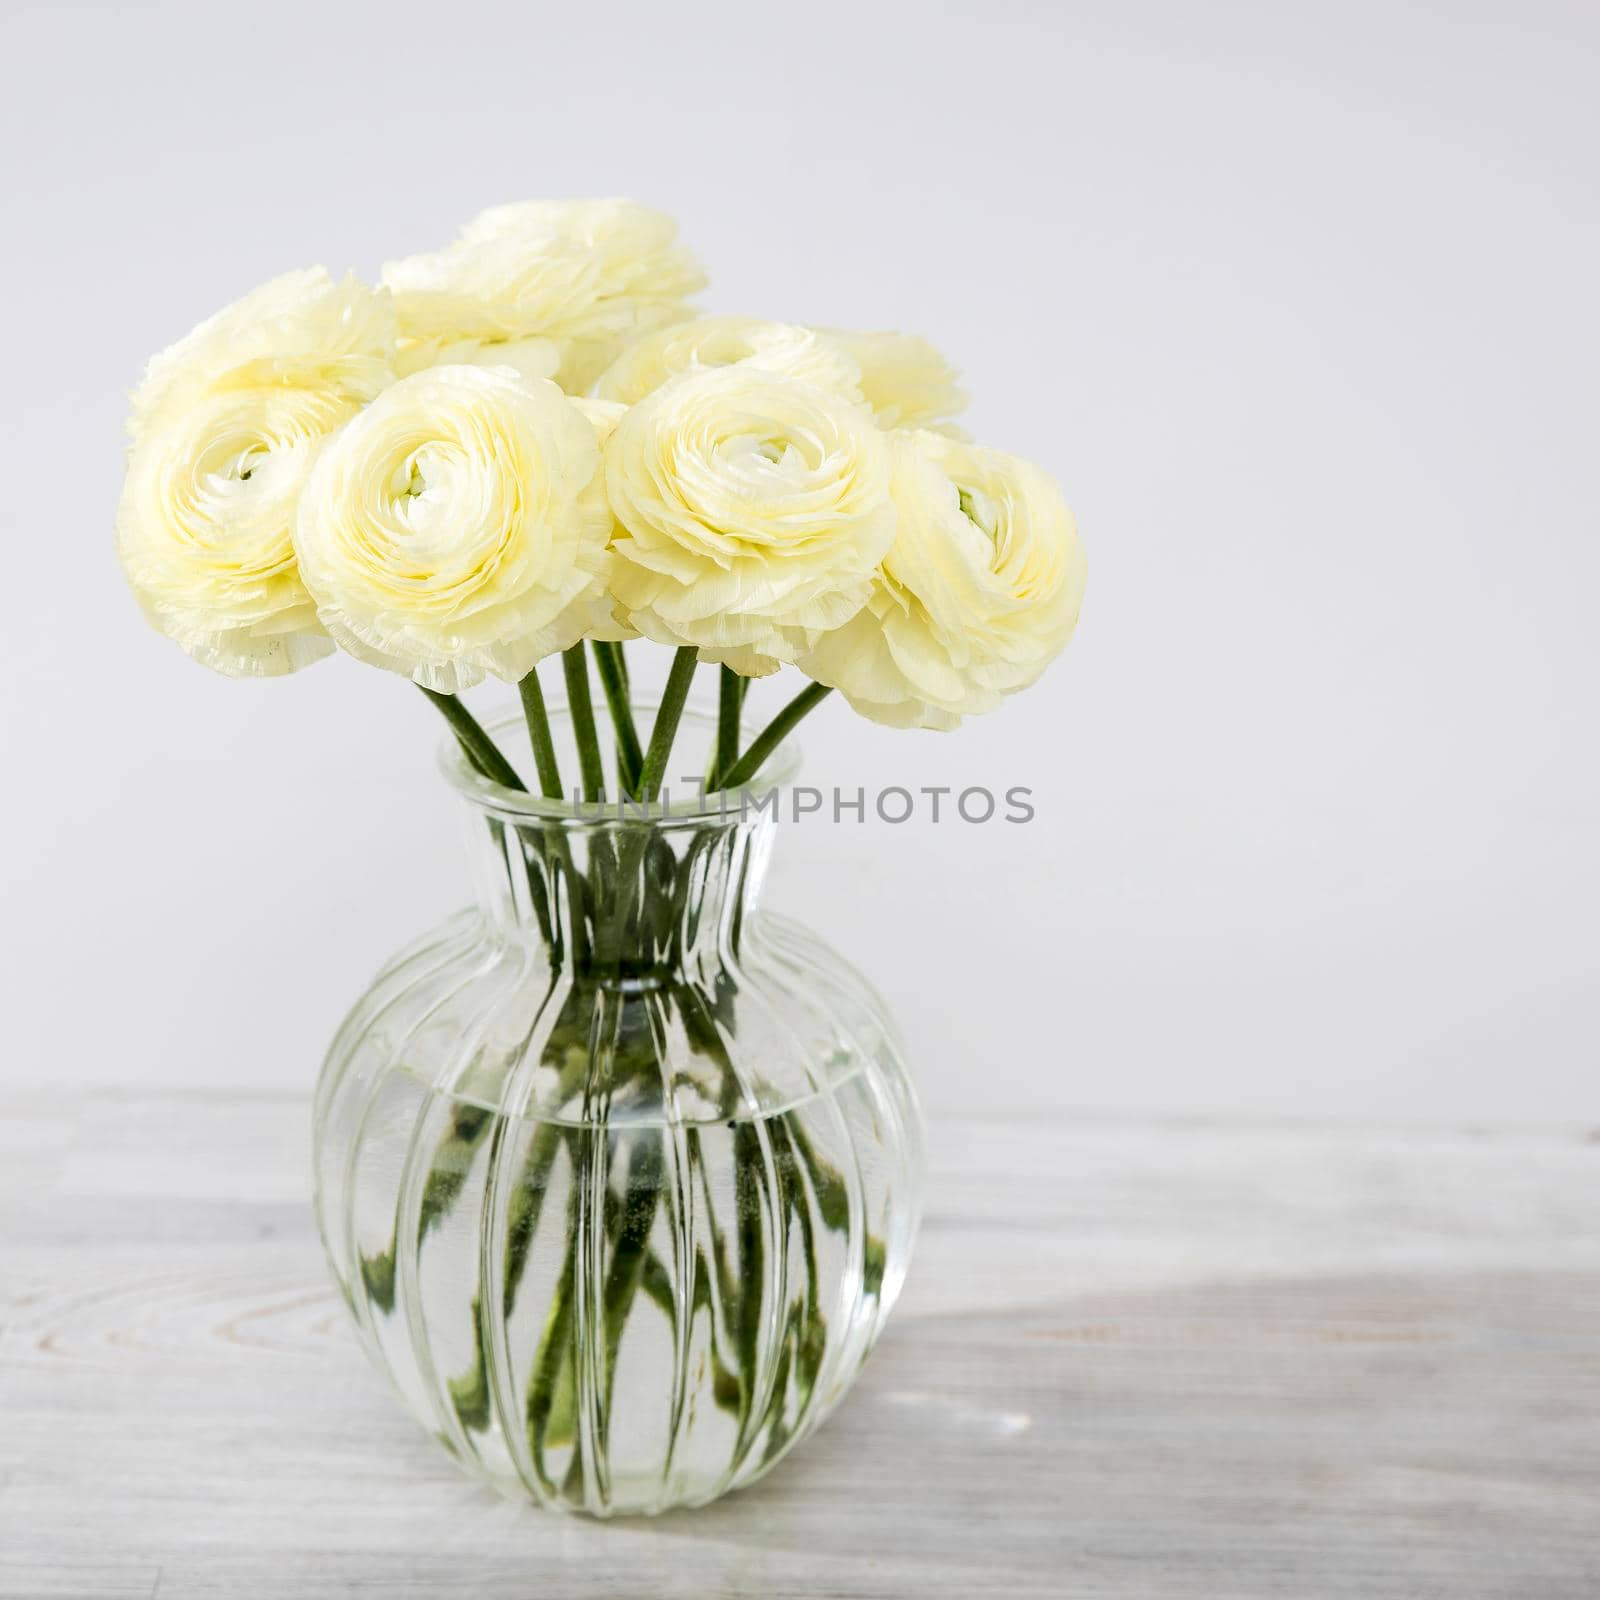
(618, 1171)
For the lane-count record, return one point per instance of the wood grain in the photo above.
(1133, 1360)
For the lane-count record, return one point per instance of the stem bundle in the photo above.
(640, 772)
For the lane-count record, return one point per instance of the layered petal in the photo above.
(531, 358)
(300, 330)
(904, 379)
(588, 275)
(605, 618)
(782, 348)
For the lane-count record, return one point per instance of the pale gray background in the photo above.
(1299, 302)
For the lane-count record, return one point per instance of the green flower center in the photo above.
(979, 510)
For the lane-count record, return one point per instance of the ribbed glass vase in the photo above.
(618, 1171)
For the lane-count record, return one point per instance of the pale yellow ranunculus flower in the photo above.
(205, 526)
(778, 347)
(589, 275)
(904, 379)
(756, 510)
(225, 426)
(979, 592)
(300, 330)
(446, 533)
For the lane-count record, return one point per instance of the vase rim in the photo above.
(718, 806)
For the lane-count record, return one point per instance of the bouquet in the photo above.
(616, 1173)
(528, 444)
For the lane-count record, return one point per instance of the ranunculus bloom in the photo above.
(904, 379)
(446, 532)
(979, 592)
(756, 511)
(698, 346)
(205, 526)
(225, 427)
(589, 275)
(301, 330)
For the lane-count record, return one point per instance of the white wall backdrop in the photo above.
(1299, 302)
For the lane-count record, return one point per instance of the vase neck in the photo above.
(620, 899)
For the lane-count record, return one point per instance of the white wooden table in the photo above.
(1134, 1359)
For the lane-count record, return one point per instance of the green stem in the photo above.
(544, 747)
(575, 663)
(641, 1198)
(771, 736)
(481, 750)
(730, 700)
(665, 730)
(614, 680)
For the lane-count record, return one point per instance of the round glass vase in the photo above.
(618, 1172)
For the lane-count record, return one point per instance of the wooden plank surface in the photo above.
(1133, 1359)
